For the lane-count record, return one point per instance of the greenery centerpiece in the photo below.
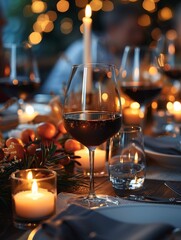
(46, 147)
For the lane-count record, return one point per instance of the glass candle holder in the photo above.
(34, 194)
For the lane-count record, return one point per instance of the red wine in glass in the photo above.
(92, 128)
(143, 94)
(172, 73)
(19, 89)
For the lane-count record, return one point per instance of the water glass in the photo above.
(127, 162)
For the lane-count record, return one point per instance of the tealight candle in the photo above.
(133, 115)
(99, 160)
(35, 203)
(175, 109)
(27, 115)
(34, 196)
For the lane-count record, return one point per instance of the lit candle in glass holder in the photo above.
(175, 109)
(133, 114)
(99, 161)
(26, 115)
(34, 196)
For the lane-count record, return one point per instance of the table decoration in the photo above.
(27, 114)
(33, 196)
(46, 150)
(132, 115)
(87, 24)
(99, 165)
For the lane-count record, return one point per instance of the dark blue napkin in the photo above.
(166, 145)
(77, 223)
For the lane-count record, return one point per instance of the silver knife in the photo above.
(142, 198)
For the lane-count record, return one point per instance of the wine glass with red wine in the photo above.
(92, 115)
(139, 78)
(19, 76)
(169, 56)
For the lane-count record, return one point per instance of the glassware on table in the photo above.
(19, 76)
(92, 115)
(169, 55)
(169, 63)
(127, 163)
(34, 194)
(139, 78)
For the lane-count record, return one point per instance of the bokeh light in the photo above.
(107, 6)
(165, 14)
(38, 6)
(144, 20)
(35, 38)
(96, 5)
(66, 25)
(52, 15)
(149, 5)
(63, 6)
(81, 3)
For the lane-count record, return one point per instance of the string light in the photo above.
(63, 6)
(45, 20)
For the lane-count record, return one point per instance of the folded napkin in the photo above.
(77, 223)
(166, 145)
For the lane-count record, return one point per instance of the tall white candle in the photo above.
(87, 23)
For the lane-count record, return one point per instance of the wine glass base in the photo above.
(96, 202)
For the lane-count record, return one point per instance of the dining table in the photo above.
(154, 185)
(156, 175)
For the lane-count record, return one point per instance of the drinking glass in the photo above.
(139, 78)
(169, 56)
(19, 76)
(127, 164)
(92, 115)
(169, 64)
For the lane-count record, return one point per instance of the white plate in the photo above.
(144, 213)
(164, 159)
(130, 213)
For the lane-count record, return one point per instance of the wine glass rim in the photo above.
(94, 64)
(131, 129)
(24, 45)
(143, 47)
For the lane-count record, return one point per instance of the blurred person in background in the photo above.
(120, 28)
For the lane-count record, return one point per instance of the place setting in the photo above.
(101, 158)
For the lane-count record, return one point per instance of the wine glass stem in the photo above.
(91, 194)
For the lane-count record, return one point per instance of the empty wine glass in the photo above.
(92, 115)
(19, 75)
(139, 78)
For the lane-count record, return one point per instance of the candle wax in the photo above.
(99, 159)
(34, 205)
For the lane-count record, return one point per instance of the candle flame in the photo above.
(136, 158)
(34, 187)
(29, 175)
(88, 11)
(177, 106)
(135, 105)
(29, 109)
